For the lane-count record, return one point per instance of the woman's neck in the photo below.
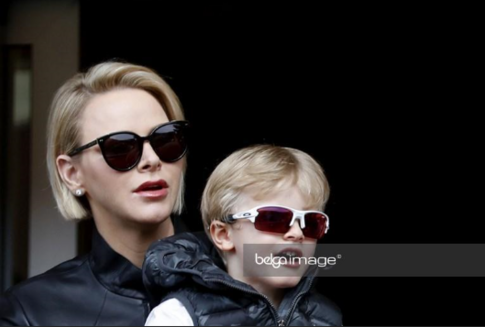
(131, 240)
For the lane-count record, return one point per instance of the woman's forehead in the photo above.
(122, 110)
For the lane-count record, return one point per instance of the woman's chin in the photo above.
(151, 218)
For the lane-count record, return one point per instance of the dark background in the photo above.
(384, 98)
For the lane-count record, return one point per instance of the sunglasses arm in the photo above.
(246, 215)
(82, 148)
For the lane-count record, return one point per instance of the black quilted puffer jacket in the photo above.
(181, 268)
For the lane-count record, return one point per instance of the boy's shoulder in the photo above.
(195, 244)
(321, 309)
(180, 260)
(197, 241)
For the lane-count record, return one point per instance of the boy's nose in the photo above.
(295, 234)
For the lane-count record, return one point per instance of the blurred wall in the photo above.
(2, 227)
(52, 28)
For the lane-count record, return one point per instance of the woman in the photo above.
(116, 153)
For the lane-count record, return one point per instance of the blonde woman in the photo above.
(116, 154)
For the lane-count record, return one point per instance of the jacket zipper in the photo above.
(279, 322)
(295, 302)
(276, 317)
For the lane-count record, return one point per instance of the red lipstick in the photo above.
(153, 189)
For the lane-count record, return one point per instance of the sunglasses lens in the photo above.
(273, 220)
(169, 142)
(121, 151)
(316, 224)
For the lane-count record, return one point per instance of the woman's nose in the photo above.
(149, 160)
(295, 234)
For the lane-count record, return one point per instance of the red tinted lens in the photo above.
(315, 225)
(273, 220)
(121, 151)
(169, 142)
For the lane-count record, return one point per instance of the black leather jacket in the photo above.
(100, 288)
(180, 267)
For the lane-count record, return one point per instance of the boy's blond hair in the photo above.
(263, 169)
(69, 104)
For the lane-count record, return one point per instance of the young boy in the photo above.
(265, 195)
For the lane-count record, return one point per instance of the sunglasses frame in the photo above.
(252, 214)
(141, 140)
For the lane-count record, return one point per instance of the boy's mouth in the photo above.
(290, 253)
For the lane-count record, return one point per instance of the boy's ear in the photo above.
(221, 236)
(70, 174)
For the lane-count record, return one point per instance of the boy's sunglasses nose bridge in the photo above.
(300, 218)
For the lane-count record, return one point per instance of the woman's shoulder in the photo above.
(58, 274)
(22, 303)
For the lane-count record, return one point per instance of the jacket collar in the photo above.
(115, 272)
(177, 261)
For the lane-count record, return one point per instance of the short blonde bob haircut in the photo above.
(260, 171)
(68, 106)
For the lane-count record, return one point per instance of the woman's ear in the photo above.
(221, 235)
(70, 174)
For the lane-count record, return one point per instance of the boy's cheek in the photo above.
(309, 249)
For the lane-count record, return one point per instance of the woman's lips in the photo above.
(153, 189)
(154, 194)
